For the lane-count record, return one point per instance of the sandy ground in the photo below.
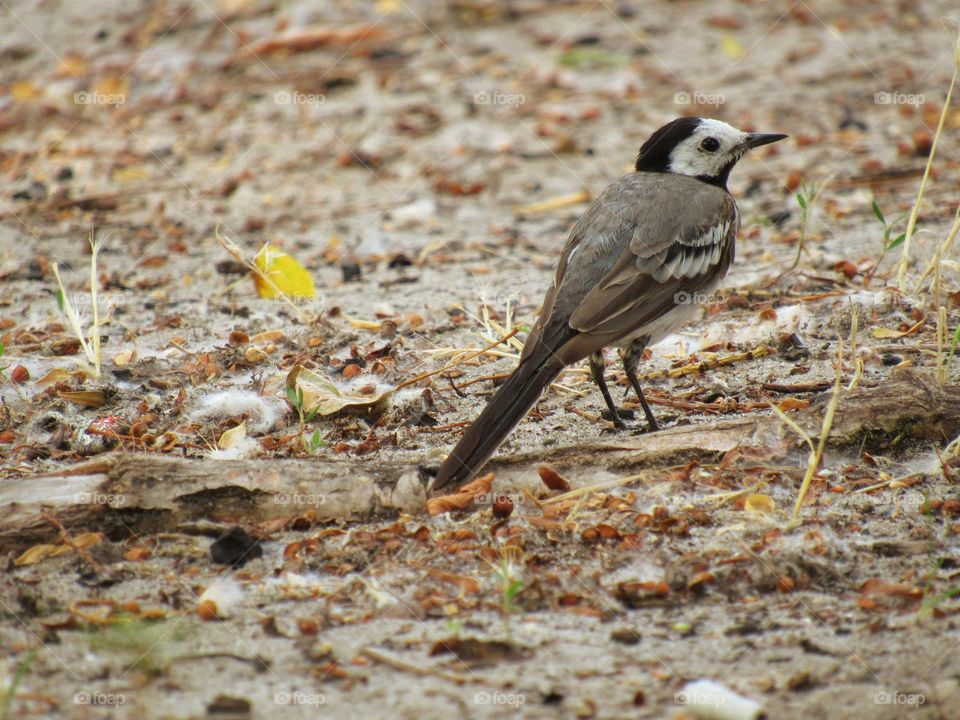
(412, 142)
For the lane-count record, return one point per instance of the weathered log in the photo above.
(126, 494)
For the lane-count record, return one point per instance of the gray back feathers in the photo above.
(646, 238)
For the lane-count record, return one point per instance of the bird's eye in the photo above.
(710, 144)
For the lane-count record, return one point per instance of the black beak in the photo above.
(757, 139)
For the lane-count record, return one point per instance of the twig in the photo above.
(709, 364)
(399, 664)
(73, 546)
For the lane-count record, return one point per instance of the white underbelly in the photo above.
(681, 313)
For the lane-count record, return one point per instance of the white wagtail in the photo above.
(651, 242)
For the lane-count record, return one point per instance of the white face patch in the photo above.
(695, 157)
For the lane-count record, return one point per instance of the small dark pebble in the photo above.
(224, 706)
(398, 261)
(891, 359)
(387, 53)
(753, 188)
(351, 271)
(625, 636)
(552, 698)
(36, 191)
(779, 218)
(421, 418)
(849, 122)
(231, 267)
(801, 681)
(65, 173)
(623, 413)
(235, 548)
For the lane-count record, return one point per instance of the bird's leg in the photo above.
(631, 359)
(597, 367)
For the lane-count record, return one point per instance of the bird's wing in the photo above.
(647, 238)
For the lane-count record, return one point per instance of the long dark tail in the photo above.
(508, 406)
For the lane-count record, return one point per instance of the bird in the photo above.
(633, 268)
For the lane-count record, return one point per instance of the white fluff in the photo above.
(709, 700)
(262, 412)
(246, 448)
(225, 597)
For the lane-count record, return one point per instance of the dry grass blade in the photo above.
(816, 455)
(586, 490)
(91, 350)
(459, 360)
(912, 221)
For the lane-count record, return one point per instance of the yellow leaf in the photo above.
(761, 504)
(130, 173)
(732, 47)
(284, 275)
(114, 86)
(233, 436)
(887, 334)
(320, 394)
(43, 551)
(72, 65)
(37, 553)
(25, 91)
(86, 540)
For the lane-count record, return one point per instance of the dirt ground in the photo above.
(425, 161)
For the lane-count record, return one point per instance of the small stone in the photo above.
(235, 548)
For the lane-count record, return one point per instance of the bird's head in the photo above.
(699, 147)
